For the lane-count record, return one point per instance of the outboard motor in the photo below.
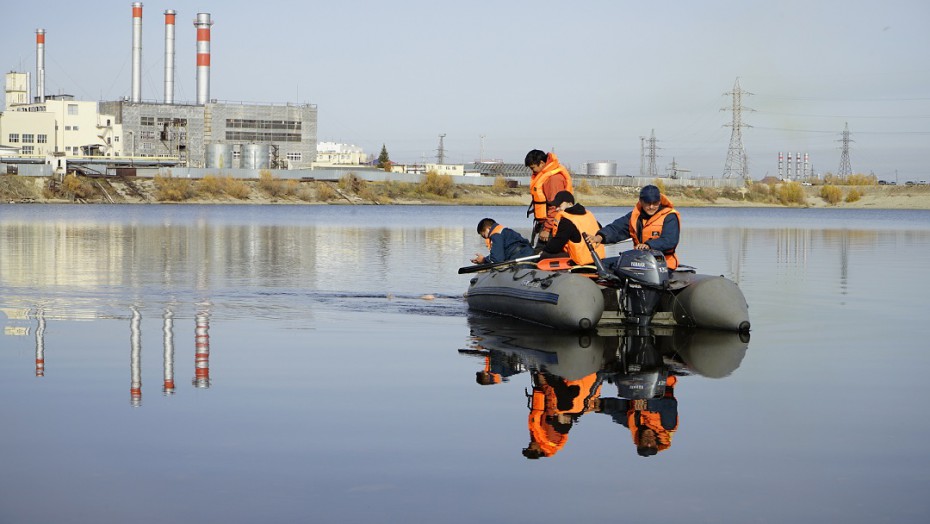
(645, 277)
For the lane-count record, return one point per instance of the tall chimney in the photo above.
(136, 52)
(169, 55)
(203, 23)
(40, 65)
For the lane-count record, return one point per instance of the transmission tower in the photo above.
(737, 161)
(441, 151)
(845, 169)
(651, 148)
(642, 156)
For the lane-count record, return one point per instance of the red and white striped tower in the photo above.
(169, 55)
(203, 23)
(781, 166)
(40, 65)
(168, 330)
(797, 166)
(202, 349)
(136, 94)
(40, 344)
(807, 165)
(135, 359)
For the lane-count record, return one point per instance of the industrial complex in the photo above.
(57, 130)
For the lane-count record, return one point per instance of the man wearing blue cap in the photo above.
(653, 224)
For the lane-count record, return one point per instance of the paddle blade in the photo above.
(554, 264)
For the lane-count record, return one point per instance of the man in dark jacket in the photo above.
(503, 243)
(574, 220)
(654, 223)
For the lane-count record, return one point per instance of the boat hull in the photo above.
(558, 299)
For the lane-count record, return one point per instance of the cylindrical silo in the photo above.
(602, 168)
(255, 156)
(218, 156)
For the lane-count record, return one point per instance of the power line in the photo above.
(737, 162)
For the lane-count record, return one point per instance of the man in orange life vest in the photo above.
(503, 243)
(652, 422)
(574, 220)
(653, 224)
(549, 177)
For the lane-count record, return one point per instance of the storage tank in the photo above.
(255, 156)
(218, 156)
(603, 168)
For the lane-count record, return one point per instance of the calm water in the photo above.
(318, 364)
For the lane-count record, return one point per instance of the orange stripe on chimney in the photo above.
(136, 12)
(169, 19)
(203, 35)
(40, 38)
(203, 59)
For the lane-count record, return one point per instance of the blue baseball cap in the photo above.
(649, 194)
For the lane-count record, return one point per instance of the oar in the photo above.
(482, 267)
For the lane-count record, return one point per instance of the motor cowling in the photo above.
(645, 277)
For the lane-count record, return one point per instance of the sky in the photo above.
(585, 79)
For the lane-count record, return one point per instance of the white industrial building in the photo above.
(206, 133)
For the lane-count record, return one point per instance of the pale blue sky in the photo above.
(587, 78)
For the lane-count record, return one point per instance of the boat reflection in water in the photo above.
(572, 374)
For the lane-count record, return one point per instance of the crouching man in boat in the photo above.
(653, 224)
(574, 220)
(503, 243)
(548, 178)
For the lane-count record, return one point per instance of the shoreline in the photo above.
(15, 189)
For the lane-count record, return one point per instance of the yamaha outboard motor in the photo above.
(645, 277)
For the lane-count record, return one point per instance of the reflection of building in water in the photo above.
(202, 348)
(40, 343)
(168, 330)
(135, 358)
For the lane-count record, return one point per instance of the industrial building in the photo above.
(203, 134)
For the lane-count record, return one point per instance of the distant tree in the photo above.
(384, 160)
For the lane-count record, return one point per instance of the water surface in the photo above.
(318, 363)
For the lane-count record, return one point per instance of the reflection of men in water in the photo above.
(498, 367)
(556, 404)
(652, 422)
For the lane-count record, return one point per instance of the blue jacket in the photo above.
(508, 245)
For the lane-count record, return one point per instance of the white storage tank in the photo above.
(603, 168)
(255, 156)
(218, 156)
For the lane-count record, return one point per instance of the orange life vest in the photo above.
(652, 227)
(579, 251)
(540, 202)
(497, 229)
(544, 435)
(653, 421)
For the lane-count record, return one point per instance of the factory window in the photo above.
(74, 128)
(14, 138)
(28, 138)
(43, 139)
(148, 135)
(67, 128)
(116, 139)
(295, 156)
(147, 121)
(72, 109)
(28, 150)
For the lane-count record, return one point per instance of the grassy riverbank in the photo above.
(433, 190)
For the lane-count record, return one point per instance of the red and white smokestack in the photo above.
(806, 165)
(168, 330)
(781, 167)
(202, 350)
(169, 55)
(203, 23)
(788, 167)
(135, 359)
(136, 95)
(40, 65)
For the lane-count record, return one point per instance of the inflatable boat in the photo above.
(635, 288)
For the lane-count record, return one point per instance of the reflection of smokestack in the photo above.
(40, 344)
(40, 65)
(135, 359)
(202, 350)
(169, 56)
(136, 95)
(203, 23)
(168, 329)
